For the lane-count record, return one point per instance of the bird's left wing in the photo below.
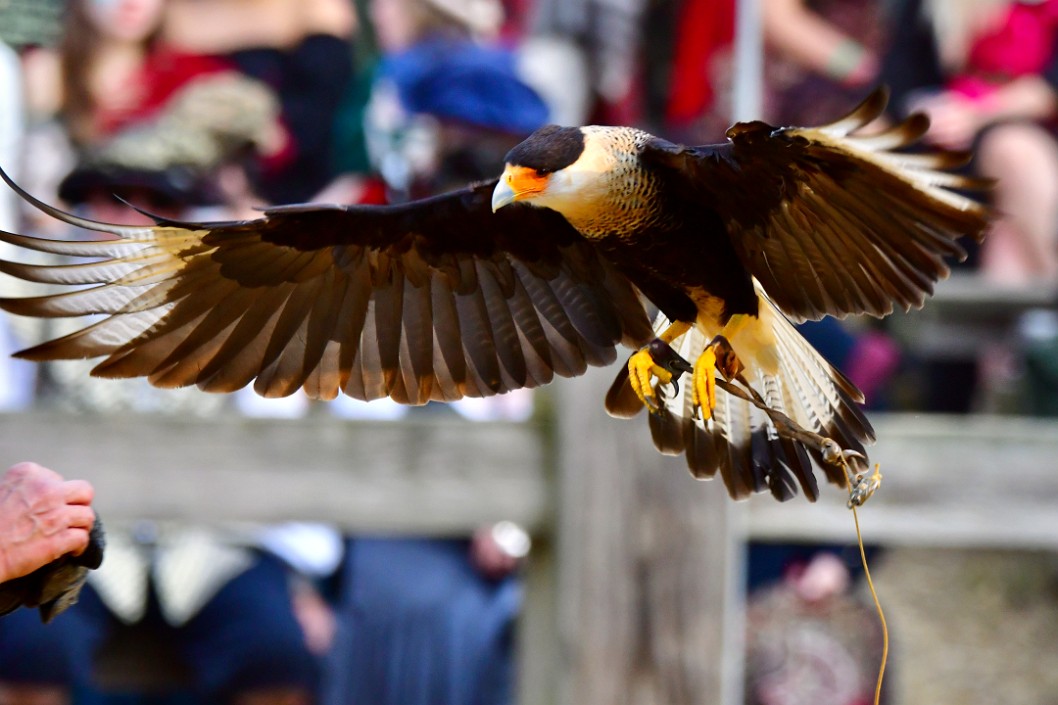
(432, 300)
(833, 223)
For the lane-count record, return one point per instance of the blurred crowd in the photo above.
(211, 109)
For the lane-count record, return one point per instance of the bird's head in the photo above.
(568, 169)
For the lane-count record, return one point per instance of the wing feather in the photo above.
(434, 299)
(830, 222)
(449, 362)
(417, 341)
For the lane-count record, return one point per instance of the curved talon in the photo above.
(655, 360)
(726, 359)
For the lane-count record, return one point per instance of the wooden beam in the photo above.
(648, 566)
(948, 481)
(966, 310)
(436, 476)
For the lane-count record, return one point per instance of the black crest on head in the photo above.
(548, 149)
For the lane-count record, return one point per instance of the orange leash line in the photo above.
(859, 492)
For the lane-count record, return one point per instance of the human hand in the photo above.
(42, 517)
(954, 120)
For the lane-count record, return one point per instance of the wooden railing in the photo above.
(633, 587)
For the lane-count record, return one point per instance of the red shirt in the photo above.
(164, 72)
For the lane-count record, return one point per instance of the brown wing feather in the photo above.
(829, 222)
(436, 299)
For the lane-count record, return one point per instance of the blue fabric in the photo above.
(830, 338)
(245, 638)
(465, 82)
(418, 625)
(59, 653)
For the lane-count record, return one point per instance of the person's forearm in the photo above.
(812, 41)
(1028, 97)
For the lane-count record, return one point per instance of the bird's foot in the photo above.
(656, 360)
(718, 355)
(861, 485)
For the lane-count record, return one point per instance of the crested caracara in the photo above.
(542, 272)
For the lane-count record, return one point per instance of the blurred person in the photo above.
(821, 56)
(447, 101)
(303, 51)
(17, 379)
(427, 621)
(112, 73)
(810, 638)
(986, 73)
(109, 70)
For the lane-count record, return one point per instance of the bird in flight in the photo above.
(543, 272)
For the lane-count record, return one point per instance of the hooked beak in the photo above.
(517, 184)
(503, 194)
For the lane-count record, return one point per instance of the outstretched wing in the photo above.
(432, 300)
(829, 222)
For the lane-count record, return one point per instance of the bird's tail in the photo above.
(741, 441)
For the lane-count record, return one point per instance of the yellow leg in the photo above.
(703, 383)
(642, 368)
(734, 325)
(717, 355)
(675, 330)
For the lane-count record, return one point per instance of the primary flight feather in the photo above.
(543, 272)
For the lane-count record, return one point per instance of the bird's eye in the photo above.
(543, 172)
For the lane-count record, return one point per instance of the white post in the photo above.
(749, 62)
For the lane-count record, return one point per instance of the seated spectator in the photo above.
(112, 74)
(302, 50)
(987, 75)
(822, 57)
(424, 622)
(810, 638)
(446, 104)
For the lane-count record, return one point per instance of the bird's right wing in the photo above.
(432, 300)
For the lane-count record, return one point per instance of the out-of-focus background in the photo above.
(527, 549)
